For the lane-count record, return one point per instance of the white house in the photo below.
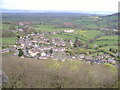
(22, 45)
(33, 52)
(43, 54)
(69, 31)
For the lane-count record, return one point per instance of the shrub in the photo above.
(31, 73)
(20, 53)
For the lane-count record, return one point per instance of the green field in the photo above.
(5, 26)
(10, 40)
(109, 37)
(48, 28)
(111, 41)
(88, 34)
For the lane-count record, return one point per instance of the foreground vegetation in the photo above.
(30, 73)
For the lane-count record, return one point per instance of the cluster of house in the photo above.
(41, 47)
(23, 26)
(105, 58)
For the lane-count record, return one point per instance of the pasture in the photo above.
(48, 28)
(5, 26)
(9, 40)
(88, 34)
(108, 41)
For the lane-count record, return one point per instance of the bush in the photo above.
(31, 73)
(20, 53)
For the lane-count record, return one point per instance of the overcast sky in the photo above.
(73, 5)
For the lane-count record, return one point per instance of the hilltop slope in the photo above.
(30, 73)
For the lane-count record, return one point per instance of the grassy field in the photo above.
(111, 41)
(83, 35)
(48, 28)
(109, 37)
(30, 73)
(88, 34)
(5, 26)
(9, 40)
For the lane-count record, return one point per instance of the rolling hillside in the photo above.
(66, 20)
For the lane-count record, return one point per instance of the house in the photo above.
(113, 62)
(82, 56)
(33, 52)
(69, 31)
(42, 58)
(5, 50)
(43, 54)
(22, 45)
(73, 57)
(59, 49)
(88, 58)
(115, 30)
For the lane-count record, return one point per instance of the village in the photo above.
(41, 47)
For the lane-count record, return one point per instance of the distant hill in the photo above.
(112, 20)
(76, 20)
(113, 15)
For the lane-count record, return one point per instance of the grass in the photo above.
(109, 37)
(5, 26)
(48, 28)
(30, 73)
(89, 34)
(9, 40)
(105, 42)
(112, 42)
(83, 35)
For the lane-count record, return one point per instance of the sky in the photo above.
(72, 5)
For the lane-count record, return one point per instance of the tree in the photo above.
(18, 36)
(78, 43)
(12, 27)
(20, 53)
(51, 51)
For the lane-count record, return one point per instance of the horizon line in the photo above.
(45, 11)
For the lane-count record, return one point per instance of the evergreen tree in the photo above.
(20, 53)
